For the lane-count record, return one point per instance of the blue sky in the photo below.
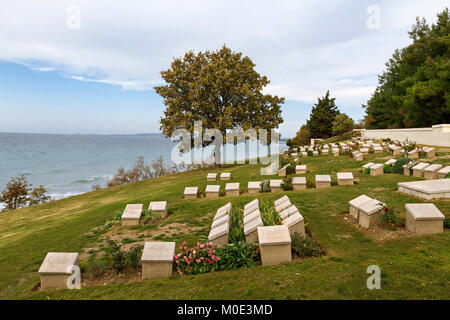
(96, 76)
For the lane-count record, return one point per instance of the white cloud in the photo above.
(305, 47)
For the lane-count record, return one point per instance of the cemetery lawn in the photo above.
(413, 267)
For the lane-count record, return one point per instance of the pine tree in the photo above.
(321, 119)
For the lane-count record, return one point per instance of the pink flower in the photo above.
(177, 262)
(198, 260)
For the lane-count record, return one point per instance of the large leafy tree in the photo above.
(219, 88)
(414, 91)
(302, 138)
(321, 119)
(342, 124)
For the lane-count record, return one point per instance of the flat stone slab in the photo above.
(345, 176)
(212, 188)
(371, 207)
(281, 200)
(390, 162)
(252, 216)
(421, 166)
(276, 183)
(220, 221)
(254, 185)
(428, 189)
(211, 176)
(377, 166)
(232, 186)
(158, 252)
(300, 168)
(368, 165)
(251, 204)
(288, 212)
(132, 212)
(191, 190)
(357, 202)
(283, 205)
(58, 263)
(433, 168)
(223, 211)
(225, 175)
(444, 171)
(273, 236)
(424, 212)
(299, 180)
(253, 225)
(293, 219)
(218, 232)
(323, 178)
(158, 205)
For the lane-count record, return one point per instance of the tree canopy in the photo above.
(219, 88)
(302, 138)
(414, 91)
(323, 114)
(342, 124)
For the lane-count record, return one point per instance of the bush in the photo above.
(265, 186)
(238, 255)
(398, 165)
(447, 176)
(120, 259)
(387, 169)
(305, 246)
(390, 219)
(269, 216)
(18, 194)
(447, 223)
(367, 171)
(200, 259)
(115, 219)
(290, 170)
(97, 268)
(236, 233)
(149, 216)
(287, 184)
(310, 153)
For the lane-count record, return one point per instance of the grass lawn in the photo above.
(413, 267)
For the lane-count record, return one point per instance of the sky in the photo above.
(90, 66)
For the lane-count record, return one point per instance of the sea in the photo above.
(68, 165)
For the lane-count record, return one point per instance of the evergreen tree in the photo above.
(321, 119)
(414, 91)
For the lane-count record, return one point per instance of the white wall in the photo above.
(438, 135)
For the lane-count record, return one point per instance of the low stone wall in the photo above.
(438, 135)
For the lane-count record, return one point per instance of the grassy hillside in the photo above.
(412, 266)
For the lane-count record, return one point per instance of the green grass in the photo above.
(416, 267)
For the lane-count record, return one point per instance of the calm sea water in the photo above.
(70, 164)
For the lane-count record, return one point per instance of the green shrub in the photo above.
(390, 219)
(238, 255)
(133, 256)
(97, 268)
(287, 184)
(447, 176)
(305, 246)
(387, 169)
(149, 216)
(115, 219)
(398, 165)
(269, 216)
(367, 171)
(447, 223)
(236, 233)
(120, 259)
(265, 186)
(290, 169)
(310, 153)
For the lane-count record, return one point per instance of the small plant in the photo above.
(310, 153)
(115, 219)
(390, 219)
(287, 184)
(367, 171)
(133, 256)
(149, 216)
(447, 223)
(447, 176)
(305, 246)
(387, 169)
(269, 216)
(200, 259)
(290, 169)
(236, 233)
(97, 268)
(238, 255)
(398, 165)
(265, 186)
(120, 259)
